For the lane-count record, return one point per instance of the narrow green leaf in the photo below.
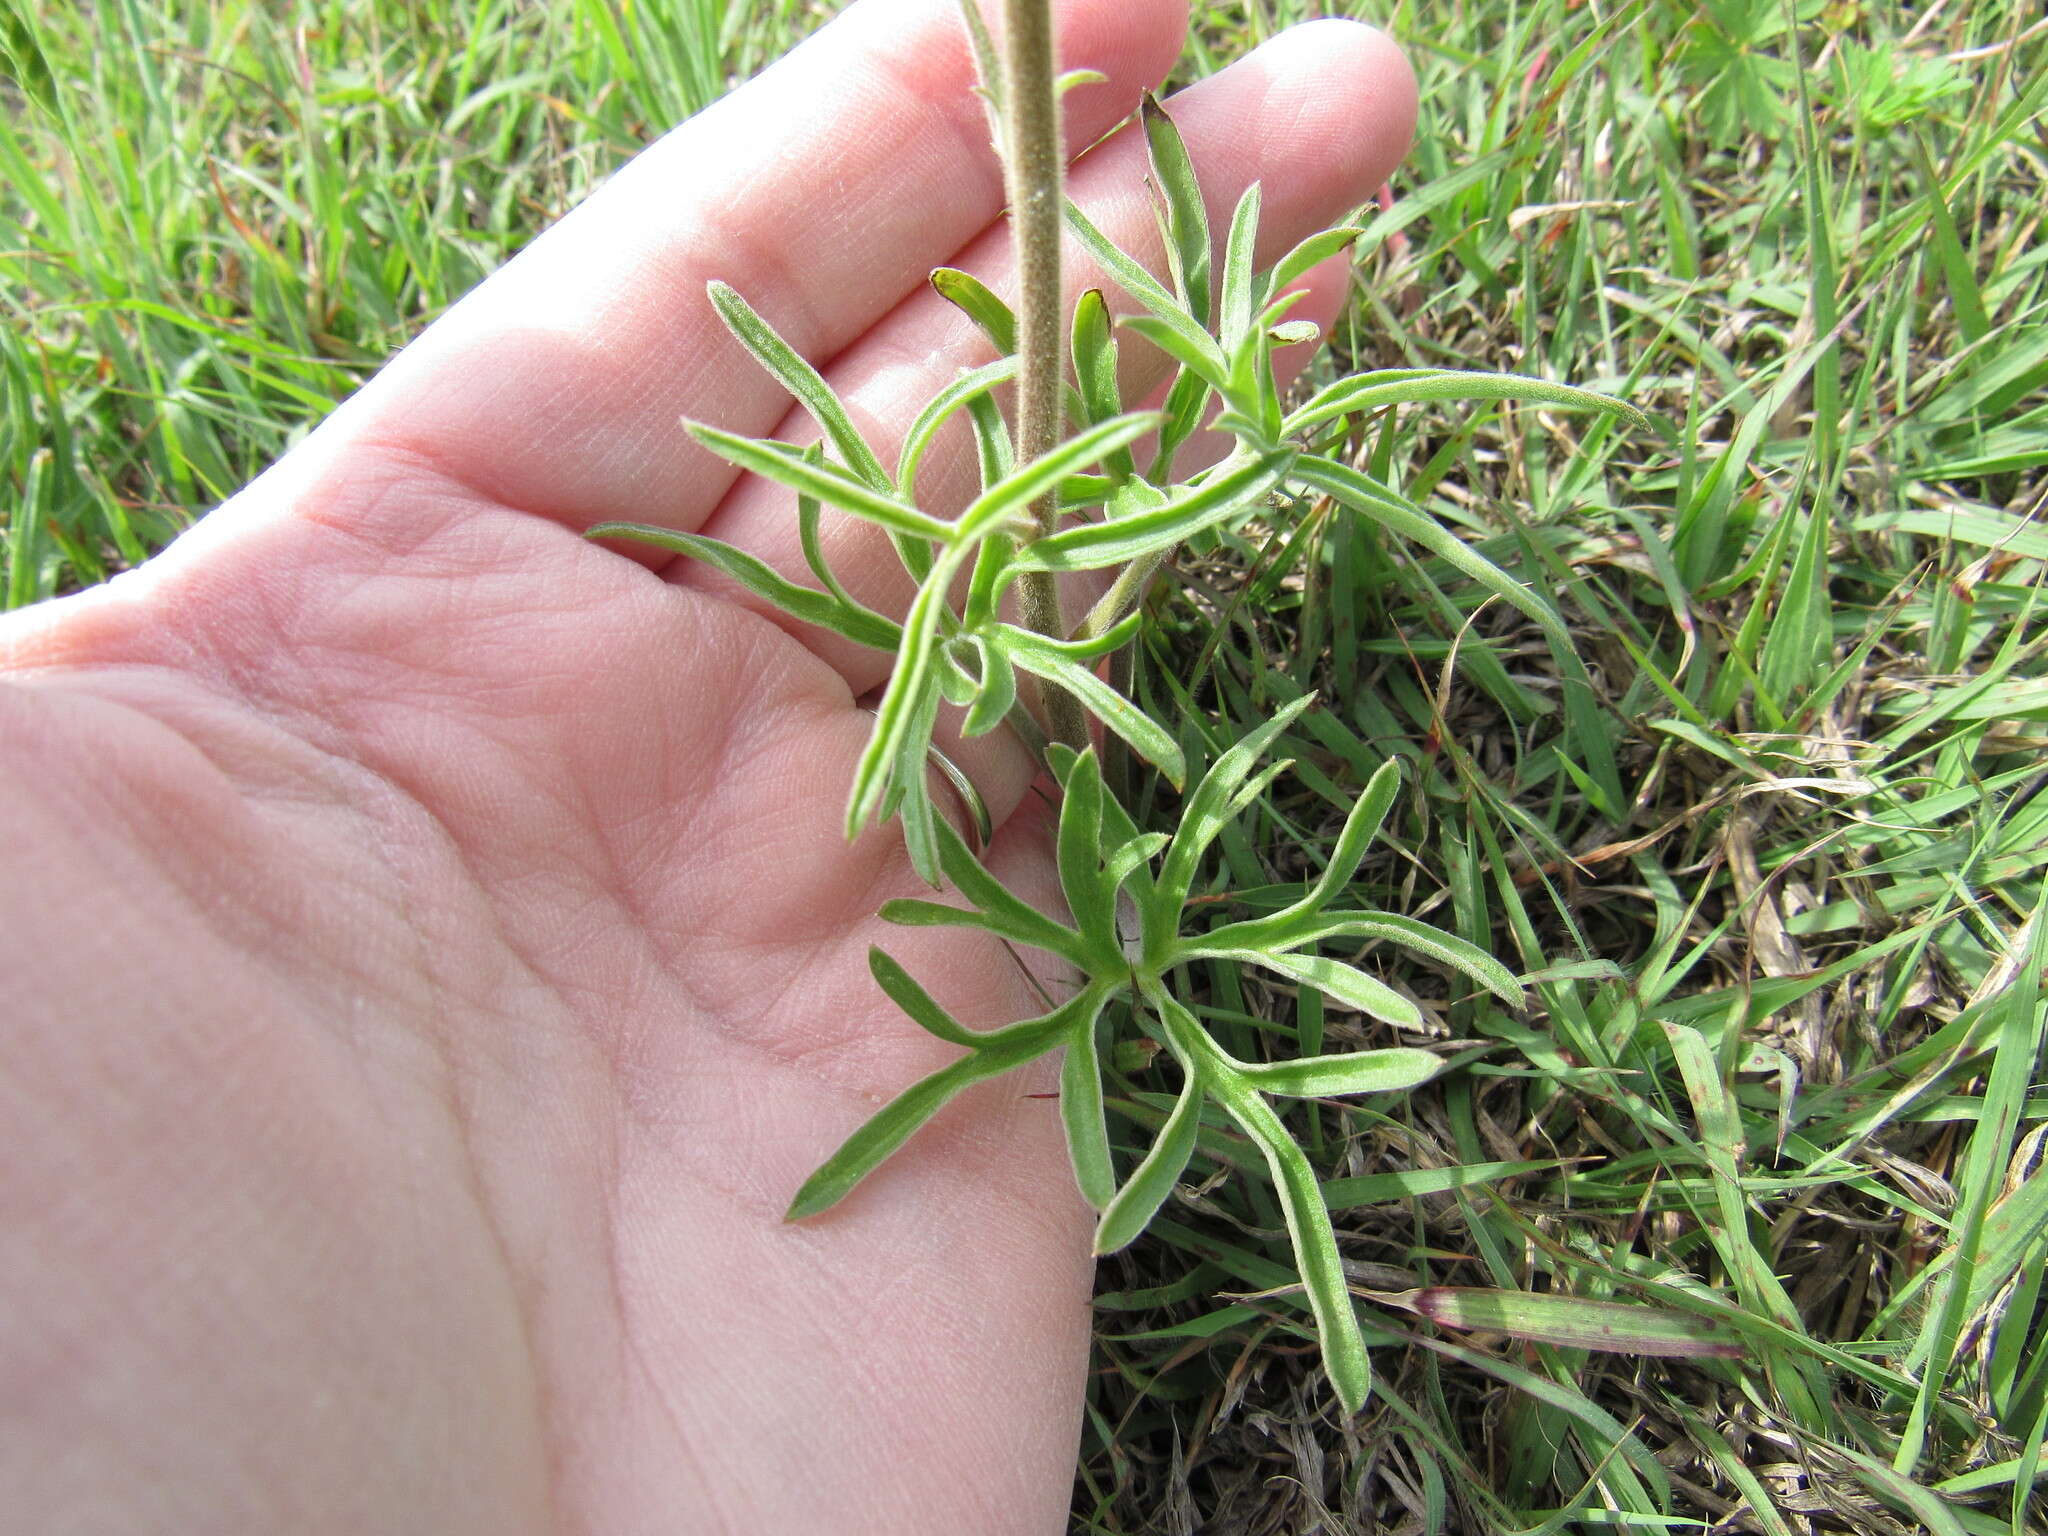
(1393, 1070)
(1134, 855)
(1313, 1241)
(801, 380)
(1571, 1322)
(1298, 930)
(891, 1126)
(1345, 983)
(1199, 358)
(1013, 495)
(1361, 826)
(1082, 1114)
(991, 707)
(1079, 848)
(1227, 493)
(1148, 738)
(1239, 275)
(1022, 921)
(861, 625)
(1095, 371)
(917, 1003)
(1207, 808)
(1132, 1208)
(1141, 285)
(973, 298)
(786, 464)
(938, 411)
(1187, 215)
(808, 509)
(910, 793)
(1308, 255)
(1372, 392)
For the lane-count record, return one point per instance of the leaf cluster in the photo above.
(1128, 893)
(1219, 324)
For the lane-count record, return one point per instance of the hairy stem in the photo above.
(1032, 162)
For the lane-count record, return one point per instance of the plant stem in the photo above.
(1033, 160)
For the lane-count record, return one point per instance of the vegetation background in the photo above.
(1784, 1078)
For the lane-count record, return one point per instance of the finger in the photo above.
(826, 189)
(1320, 116)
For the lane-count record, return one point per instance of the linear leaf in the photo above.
(1345, 983)
(1308, 255)
(1015, 493)
(991, 706)
(1295, 931)
(1095, 371)
(1132, 1208)
(973, 298)
(801, 380)
(1079, 846)
(917, 1003)
(1207, 808)
(1199, 358)
(936, 413)
(1141, 285)
(785, 463)
(1146, 736)
(1187, 214)
(1319, 1077)
(1314, 1243)
(1371, 392)
(1239, 275)
(1117, 541)
(861, 625)
(895, 1123)
(1082, 1114)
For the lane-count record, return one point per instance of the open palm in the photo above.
(434, 959)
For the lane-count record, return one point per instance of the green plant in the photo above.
(953, 647)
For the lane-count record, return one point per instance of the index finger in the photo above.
(826, 190)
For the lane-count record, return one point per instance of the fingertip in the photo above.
(1134, 42)
(1340, 94)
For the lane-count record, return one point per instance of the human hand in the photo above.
(434, 959)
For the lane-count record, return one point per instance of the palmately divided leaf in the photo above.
(802, 380)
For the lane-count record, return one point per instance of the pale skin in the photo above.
(432, 958)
